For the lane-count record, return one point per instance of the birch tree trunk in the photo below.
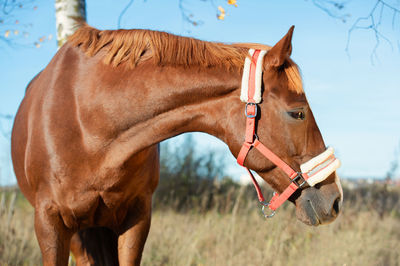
(67, 14)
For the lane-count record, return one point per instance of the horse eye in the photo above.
(299, 115)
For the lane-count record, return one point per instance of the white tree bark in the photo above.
(67, 14)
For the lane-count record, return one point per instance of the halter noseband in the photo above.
(312, 172)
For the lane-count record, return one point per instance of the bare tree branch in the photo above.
(6, 116)
(123, 12)
(187, 15)
(5, 133)
(374, 20)
(332, 8)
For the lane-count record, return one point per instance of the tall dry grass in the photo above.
(237, 235)
(18, 245)
(245, 238)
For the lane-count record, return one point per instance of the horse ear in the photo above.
(280, 51)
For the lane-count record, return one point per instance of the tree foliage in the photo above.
(191, 180)
(188, 179)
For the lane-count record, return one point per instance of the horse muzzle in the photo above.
(317, 206)
(321, 204)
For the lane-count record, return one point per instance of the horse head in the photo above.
(285, 123)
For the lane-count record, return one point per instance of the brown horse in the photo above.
(85, 139)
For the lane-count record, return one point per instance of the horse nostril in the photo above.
(335, 207)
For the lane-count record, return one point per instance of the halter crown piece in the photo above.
(312, 172)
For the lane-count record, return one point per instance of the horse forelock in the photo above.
(292, 71)
(130, 47)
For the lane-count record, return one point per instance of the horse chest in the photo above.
(105, 201)
(94, 208)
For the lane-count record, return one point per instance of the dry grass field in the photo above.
(238, 236)
(235, 239)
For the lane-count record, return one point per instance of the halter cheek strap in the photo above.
(314, 171)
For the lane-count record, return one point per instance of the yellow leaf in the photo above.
(221, 16)
(7, 33)
(41, 39)
(232, 2)
(37, 45)
(16, 32)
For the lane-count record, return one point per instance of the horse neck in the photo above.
(174, 101)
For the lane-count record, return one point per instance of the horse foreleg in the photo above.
(79, 252)
(134, 232)
(52, 234)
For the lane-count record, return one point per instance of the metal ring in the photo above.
(263, 209)
(266, 204)
(265, 214)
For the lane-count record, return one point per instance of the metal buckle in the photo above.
(247, 114)
(263, 210)
(296, 179)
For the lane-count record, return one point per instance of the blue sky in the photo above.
(356, 103)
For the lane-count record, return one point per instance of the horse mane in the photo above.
(131, 47)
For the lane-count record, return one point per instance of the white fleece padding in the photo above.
(244, 94)
(320, 167)
(324, 173)
(309, 165)
(257, 94)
